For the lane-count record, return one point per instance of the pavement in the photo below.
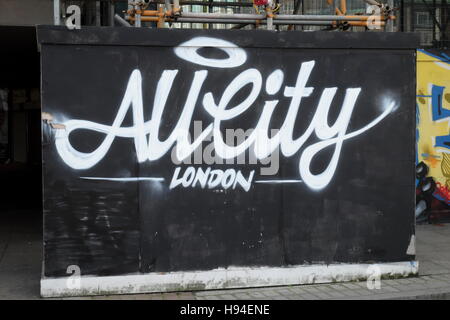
(21, 253)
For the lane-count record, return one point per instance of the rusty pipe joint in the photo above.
(343, 25)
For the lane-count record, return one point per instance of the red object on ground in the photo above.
(443, 191)
(260, 2)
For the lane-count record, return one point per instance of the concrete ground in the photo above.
(21, 251)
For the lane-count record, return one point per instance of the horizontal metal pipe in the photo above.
(264, 21)
(322, 17)
(222, 15)
(176, 6)
(144, 19)
(308, 23)
(365, 24)
(146, 12)
(277, 22)
(203, 20)
(212, 3)
(197, 3)
(277, 17)
(372, 2)
(250, 21)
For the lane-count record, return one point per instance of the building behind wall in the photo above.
(430, 18)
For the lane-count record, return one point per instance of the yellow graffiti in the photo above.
(432, 71)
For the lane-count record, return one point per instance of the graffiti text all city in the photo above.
(148, 146)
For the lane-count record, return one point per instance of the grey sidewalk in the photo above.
(20, 255)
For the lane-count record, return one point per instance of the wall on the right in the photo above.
(433, 136)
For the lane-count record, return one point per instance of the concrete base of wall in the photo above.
(223, 279)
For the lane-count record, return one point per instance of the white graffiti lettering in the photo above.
(149, 148)
(211, 178)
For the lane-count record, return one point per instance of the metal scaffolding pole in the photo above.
(254, 21)
(208, 3)
(204, 15)
(243, 16)
(169, 11)
(111, 10)
(56, 12)
(390, 22)
(97, 14)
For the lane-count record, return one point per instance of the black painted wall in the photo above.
(109, 227)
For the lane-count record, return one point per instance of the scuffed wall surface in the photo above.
(433, 136)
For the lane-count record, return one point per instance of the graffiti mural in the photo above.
(141, 175)
(433, 137)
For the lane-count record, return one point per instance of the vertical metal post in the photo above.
(303, 12)
(269, 23)
(297, 5)
(161, 22)
(56, 12)
(390, 22)
(176, 4)
(130, 6)
(168, 5)
(434, 21)
(210, 10)
(402, 15)
(344, 6)
(137, 22)
(97, 14)
(269, 18)
(444, 17)
(111, 13)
